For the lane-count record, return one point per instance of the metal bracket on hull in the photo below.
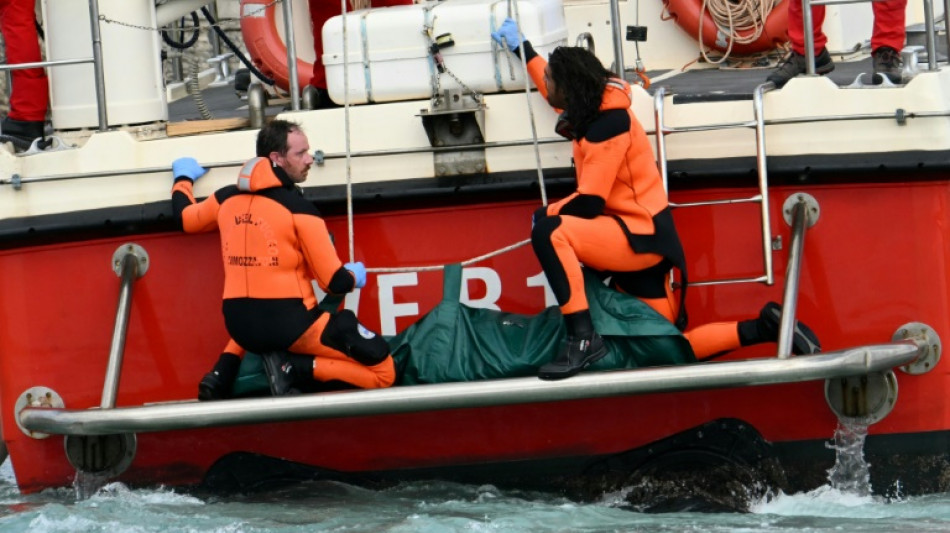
(44, 397)
(456, 121)
(925, 337)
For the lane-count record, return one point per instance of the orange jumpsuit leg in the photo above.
(330, 364)
(234, 349)
(714, 338)
(599, 243)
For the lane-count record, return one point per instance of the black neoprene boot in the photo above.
(582, 347)
(286, 371)
(765, 328)
(217, 384)
(24, 130)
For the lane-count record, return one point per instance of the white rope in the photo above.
(346, 134)
(430, 268)
(742, 21)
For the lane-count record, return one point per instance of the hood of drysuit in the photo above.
(261, 173)
(617, 95)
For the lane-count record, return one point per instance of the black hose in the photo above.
(237, 52)
(183, 44)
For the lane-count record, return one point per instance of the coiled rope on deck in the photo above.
(742, 21)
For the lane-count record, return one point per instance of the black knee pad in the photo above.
(345, 333)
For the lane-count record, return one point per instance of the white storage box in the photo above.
(388, 50)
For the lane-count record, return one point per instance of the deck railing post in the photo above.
(801, 212)
(129, 262)
(809, 37)
(292, 55)
(97, 64)
(617, 39)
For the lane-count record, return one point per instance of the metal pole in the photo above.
(97, 64)
(126, 262)
(661, 135)
(292, 55)
(792, 273)
(946, 25)
(809, 37)
(618, 40)
(931, 35)
(758, 109)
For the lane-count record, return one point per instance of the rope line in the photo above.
(431, 268)
(346, 135)
(741, 21)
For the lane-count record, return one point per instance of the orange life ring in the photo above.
(686, 15)
(265, 45)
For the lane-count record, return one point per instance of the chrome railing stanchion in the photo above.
(292, 55)
(801, 212)
(97, 64)
(809, 37)
(758, 110)
(658, 96)
(129, 262)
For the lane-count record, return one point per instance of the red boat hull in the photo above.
(875, 260)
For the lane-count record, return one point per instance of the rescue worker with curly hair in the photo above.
(618, 220)
(273, 243)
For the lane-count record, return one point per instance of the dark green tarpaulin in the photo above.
(454, 342)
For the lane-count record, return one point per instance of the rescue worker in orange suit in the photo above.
(29, 97)
(320, 12)
(618, 220)
(273, 243)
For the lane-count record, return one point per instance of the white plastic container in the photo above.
(388, 50)
(134, 87)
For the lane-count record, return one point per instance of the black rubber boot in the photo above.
(576, 354)
(765, 328)
(287, 371)
(24, 130)
(217, 384)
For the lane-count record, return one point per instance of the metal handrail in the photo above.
(758, 123)
(417, 398)
(810, 37)
(792, 275)
(126, 263)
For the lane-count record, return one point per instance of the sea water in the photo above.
(439, 507)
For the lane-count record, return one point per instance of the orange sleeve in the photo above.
(317, 248)
(199, 217)
(536, 70)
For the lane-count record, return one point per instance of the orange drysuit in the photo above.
(273, 243)
(618, 220)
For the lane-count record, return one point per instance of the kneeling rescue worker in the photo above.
(273, 243)
(618, 221)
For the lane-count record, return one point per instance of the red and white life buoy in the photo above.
(686, 13)
(266, 46)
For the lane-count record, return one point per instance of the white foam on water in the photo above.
(824, 501)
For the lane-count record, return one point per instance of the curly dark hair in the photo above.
(581, 78)
(273, 137)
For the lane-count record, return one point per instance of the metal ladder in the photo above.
(762, 198)
(800, 207)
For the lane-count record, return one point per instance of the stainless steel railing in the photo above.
(762, 198)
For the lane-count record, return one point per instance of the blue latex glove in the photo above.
(358, 271)
(187, 167)
(508, 31)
